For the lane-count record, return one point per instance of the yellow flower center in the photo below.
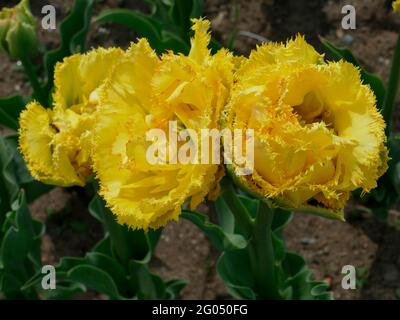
(314, 110)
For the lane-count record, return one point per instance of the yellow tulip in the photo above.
(56, 143)
(396, 6)
(318, 133)
(147, 92)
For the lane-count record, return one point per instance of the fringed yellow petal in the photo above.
(38, 144)
(318, 133)
(199, 51)
(57, 143)
(295, 51)
(144, 93)
(78, 77)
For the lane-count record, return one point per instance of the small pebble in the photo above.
(103, 30)
(307, 241)
(347, 39)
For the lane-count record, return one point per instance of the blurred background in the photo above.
(372, 246)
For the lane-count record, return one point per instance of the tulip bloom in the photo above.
(146, 92)
(56, 143)
(318, 133)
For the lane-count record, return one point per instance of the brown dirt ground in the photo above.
(371, 246)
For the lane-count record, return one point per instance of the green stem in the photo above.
(115, 230)
(117, 237)
(262, 256)
(393, 84)
(236, 12)
(33, 79)
(242, 216)
(260, 248)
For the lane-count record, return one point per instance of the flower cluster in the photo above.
(318, 134)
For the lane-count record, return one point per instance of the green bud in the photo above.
(17, 31)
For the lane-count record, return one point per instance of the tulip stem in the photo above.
(33, 79)
(390, 97)
(242, 216)
(262, 255)
(110, 224)
(117, 236)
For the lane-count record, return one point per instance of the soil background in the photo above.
(371, 246)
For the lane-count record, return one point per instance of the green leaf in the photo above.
(250, 204)
(125, 242)
(20, 246)
(20, 170)
(17, 242)
(197, 9)
(23, 218)
(175, 287)
(96, 209)
(8, 183)
(294, 279)
(138, 244)
(168, 27)
(110, 266)
(172, 42)
(148, 286)
(73, 32)
(387, 193)
(181, 13)
(153, 237)
(225, 216)
(94, 278)
(136, 21)
(281, 219)
(215, 46)
(78, 41)
(65, 291)
(381, 213)
(33, 189)
(226, 219)
(299, 279)
(122, 257)
(244, 221)
(10, 109)
(65, 288)
(67, 263)
(397, 292)
(371, 79)
(9, 283)
(9, 221)
(235, 269)
(160, 11)
(221, 240)
(243, 270)
(103, 246)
